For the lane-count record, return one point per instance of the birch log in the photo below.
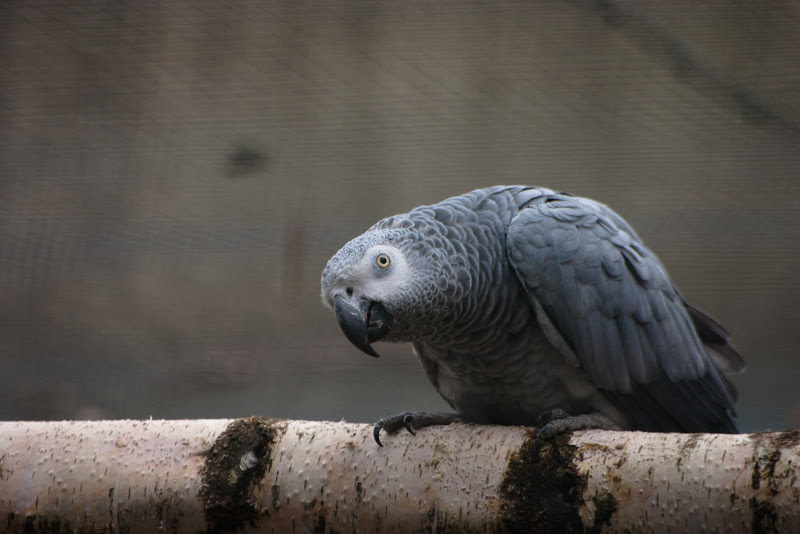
(265, 475)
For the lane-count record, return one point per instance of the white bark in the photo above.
(265, 475)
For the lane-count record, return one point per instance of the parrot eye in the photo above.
(383, 261)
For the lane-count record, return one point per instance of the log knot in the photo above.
(234, 465)
(542, 490)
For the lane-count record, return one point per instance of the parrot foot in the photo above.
(555, 422)
(412, 421)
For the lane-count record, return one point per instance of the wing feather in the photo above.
(613, 304)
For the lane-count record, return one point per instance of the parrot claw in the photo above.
(376, 432)
(392, 425)
(412, 421)
(407, 418)
(553, 423)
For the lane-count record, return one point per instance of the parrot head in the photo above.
(383, 285)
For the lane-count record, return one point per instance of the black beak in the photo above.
(362, 323)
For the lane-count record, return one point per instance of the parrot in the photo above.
(531, 307)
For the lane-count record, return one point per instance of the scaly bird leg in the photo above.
(555, 422)
(413, 421)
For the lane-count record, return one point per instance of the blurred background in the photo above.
(174, 176)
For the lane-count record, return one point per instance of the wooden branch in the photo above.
(264, 475)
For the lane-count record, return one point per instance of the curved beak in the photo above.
(362, 322)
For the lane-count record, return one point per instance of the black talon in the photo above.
(376, 432)
(407, 423)
(395, 423)
(538, 441)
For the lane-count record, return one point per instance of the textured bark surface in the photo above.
(265, 475)
(643, 482)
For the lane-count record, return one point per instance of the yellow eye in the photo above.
(382, 261)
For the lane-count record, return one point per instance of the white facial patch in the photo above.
(377, 275)
(374, 280)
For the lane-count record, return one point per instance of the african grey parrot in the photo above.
(532, 307)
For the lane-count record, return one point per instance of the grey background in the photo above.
(174, 175)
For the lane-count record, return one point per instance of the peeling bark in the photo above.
(264, 475)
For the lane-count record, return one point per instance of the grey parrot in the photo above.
(532, 307)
